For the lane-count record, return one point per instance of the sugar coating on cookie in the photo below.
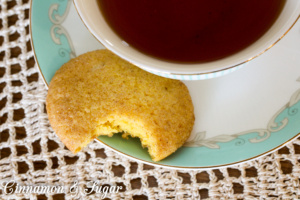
(99, 93)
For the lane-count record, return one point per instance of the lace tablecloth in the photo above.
(31, 153)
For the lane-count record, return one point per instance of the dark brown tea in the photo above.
(190, 31)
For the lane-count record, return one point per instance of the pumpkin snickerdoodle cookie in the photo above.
(98, 93)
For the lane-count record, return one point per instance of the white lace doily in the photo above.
(31, 153)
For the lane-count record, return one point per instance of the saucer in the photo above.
(239, 116)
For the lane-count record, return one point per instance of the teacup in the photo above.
(94, 20)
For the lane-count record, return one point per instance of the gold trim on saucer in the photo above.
(206, 167)
(32, 44)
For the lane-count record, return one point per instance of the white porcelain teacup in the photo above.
(93, 19)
